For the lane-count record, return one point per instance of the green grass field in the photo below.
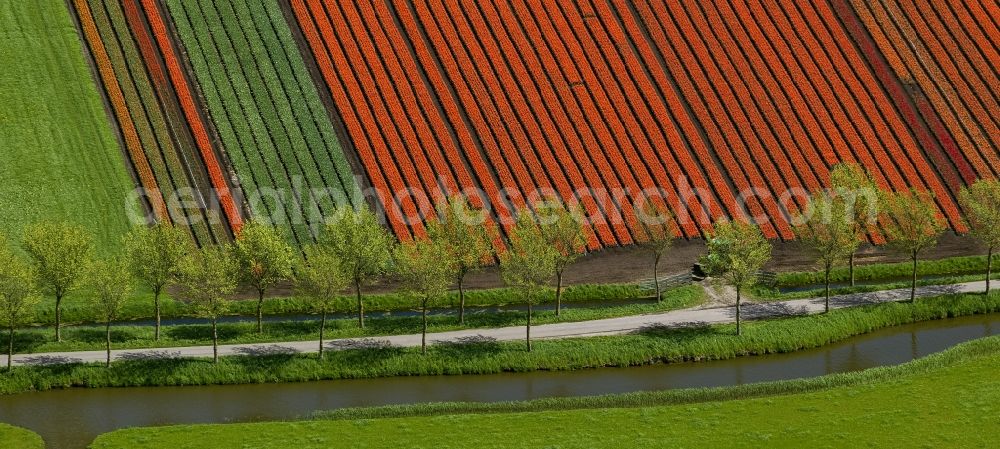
(949, 399)
(17, 438)
(61, 160)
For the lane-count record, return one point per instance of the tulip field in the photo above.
(287, 109)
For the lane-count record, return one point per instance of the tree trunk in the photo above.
(738, 330)
(322, 332)
(260, 311)
(361, 305)
(107, 346)
(423, 334)
(58, 317)
(559, 276)
(913, 286)
(461, 299)
(656, 277)
(528, 334)
(10, 348)
(215, 341)
(828, 267)
(989, 269)
(156, 309)
(851, 264)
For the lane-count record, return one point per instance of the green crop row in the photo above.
(144, 108)
(266, 109)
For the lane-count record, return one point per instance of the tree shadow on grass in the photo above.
(97, 335)
(679, 330)
(467, 347)
(364, 350)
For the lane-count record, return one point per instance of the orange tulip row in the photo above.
(154, 17)
(117, 99)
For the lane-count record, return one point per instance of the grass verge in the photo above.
(17, 438)
(943, 400)
(374, 359)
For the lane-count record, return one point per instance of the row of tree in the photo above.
(355, 250)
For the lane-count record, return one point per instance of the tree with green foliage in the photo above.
(61, 252)
(911, 224)
(363, 247)
(265, 259)
(425, 271)
(737, 251)
(206, 279)
(981, 202)
(467, 238)
(563, 230)
(18, 294)
(660, 235)
(320, 279)
(528, 263)
(154, 255)
(856, 188)
(111, 284)
(828, 228)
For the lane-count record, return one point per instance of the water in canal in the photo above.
(73, 418)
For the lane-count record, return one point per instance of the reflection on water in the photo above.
(73, 418)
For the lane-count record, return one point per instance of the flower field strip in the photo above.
(532, 143)
(623, 139)
(810, 147)
(772, 128)
(238, 115)
(279, 107)
(116, 98)
(838, 84)
(129, 20)
(685, 70)
(184, 93)
(614, 139)
(974, 29)
(392, 123)
(161, 148)
(811, 72)
(369, 59)
(476, 99)
(900, 114)
(887, 110)
(318, 129)
(431, 131)
(742, 125)
(949, 139)
(660, 90)
(713, 101)
(525, 62)
(964, 108)
(381, 176)
(442, 115)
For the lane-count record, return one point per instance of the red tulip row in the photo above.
(954, 101)
(376, 159)
(614, 141)
(619, 98)
(707, 91)
(771, 132)
(531, 67)
(687, 129)
(906, 64)
(132, 142)
(903, 149)
(154, 18)
(452, 113)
